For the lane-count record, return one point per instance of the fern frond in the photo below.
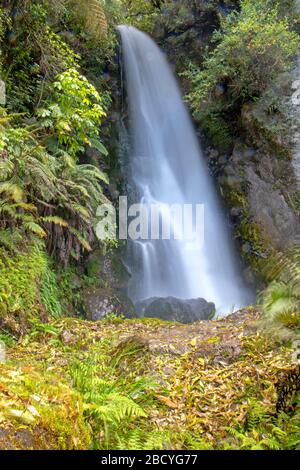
(14, 191)
(35, 228)
(80, 238)
(54, 219)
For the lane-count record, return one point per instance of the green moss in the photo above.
(248, 230)
(27, 287)
(44, 405)
(235, 197)
(50, 294)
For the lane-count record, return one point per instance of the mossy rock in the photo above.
(107, 269)
(99, 302)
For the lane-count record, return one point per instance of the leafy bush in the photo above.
(281, 299)
(33, 51)
(252, 48)
(50, 195)
(73, 114)
(50, 294)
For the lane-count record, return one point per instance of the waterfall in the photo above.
(167, 167)
(294, 108)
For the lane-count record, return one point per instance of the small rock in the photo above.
(66, 337)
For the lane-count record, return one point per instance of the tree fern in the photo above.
(94, 16)
(48, 196)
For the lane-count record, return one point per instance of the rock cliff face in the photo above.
(258, 179)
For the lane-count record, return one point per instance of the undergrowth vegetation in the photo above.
(281, 299)
(102, 388)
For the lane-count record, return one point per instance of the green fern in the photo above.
(108, 407)
(47, 196)
(281, 299)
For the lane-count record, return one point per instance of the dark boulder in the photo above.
(173, 309)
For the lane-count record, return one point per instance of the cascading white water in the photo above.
(167, 166)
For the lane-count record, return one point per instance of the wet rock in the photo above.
(249, 153)
(173, 309)
(271, 211)
(213, 154)
(223, 159)
(99, 302)
(108, 268)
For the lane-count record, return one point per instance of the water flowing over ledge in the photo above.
(167, 167)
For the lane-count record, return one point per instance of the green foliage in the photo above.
(93, 25)
(50, 294)
(22, 277)
(142, 14)
(117, 410)
(44, 192)
(108, 409)
(262, 430)
(252, 48)
(281, 299)
(46, 195)
(2, 31)
(74, 114)
(215, 125)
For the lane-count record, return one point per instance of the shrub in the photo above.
(252, 48)
(73, 114)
